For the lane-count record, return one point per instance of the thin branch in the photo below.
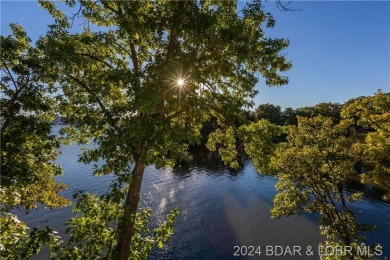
(176, 114)
(12, 78)
(123, 48)
(95, 58)
(105, 4)
(285, 6)
(100, 103)
(74, 15)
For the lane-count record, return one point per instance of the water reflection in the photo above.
(205, 162)
(371, 193)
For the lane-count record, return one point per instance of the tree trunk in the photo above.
(126, 226)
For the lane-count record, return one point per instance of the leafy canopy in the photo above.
(27, 145)
(371, 115)
(119, 81)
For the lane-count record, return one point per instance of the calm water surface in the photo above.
(219, 209)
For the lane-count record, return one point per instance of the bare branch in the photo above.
(284, 6)
(74, 16)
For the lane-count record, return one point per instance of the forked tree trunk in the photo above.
(126, 226)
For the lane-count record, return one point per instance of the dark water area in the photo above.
(219, 209)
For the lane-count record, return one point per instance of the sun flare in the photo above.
(180, 82)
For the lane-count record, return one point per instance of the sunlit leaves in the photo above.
(371, 116)
(17, 241)
(28, 147)
(93, 234)
(313, 166)
(259, 139)
(225, 144)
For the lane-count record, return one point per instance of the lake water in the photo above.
(219, 209)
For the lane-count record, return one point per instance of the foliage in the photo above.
(289, 116)
(225, 143)
(27, 146)
(373, 147)
(270, 112)
(17, 240)
(331, 110)
(258, 138)
(276, 116)
(93, 234)
(313, 166)
(320, 155)
(120, 81)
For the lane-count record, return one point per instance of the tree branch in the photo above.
(12, 78)
(12, 100)
(172, 36)
(285, 6)
(134, 57)
(100, 103)
(95, 58)
(105, 4)
(176, 114)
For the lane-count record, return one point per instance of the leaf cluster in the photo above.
(93, 233)
(17, 241)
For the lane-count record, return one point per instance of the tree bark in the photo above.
(126, 227)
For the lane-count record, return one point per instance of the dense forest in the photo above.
(156, 79)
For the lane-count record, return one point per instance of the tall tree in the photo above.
(142, 83)
(27, 144)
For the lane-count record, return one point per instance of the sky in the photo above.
(339, 49)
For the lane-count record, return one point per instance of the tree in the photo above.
(289, 116)
(317, 160)
(312, 167)
(141, 87)
(320, 156)
(27, 145)
(331, 110)
(372, 149)
(270, 112)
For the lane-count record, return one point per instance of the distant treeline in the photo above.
(289, 116)
(275, 115)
